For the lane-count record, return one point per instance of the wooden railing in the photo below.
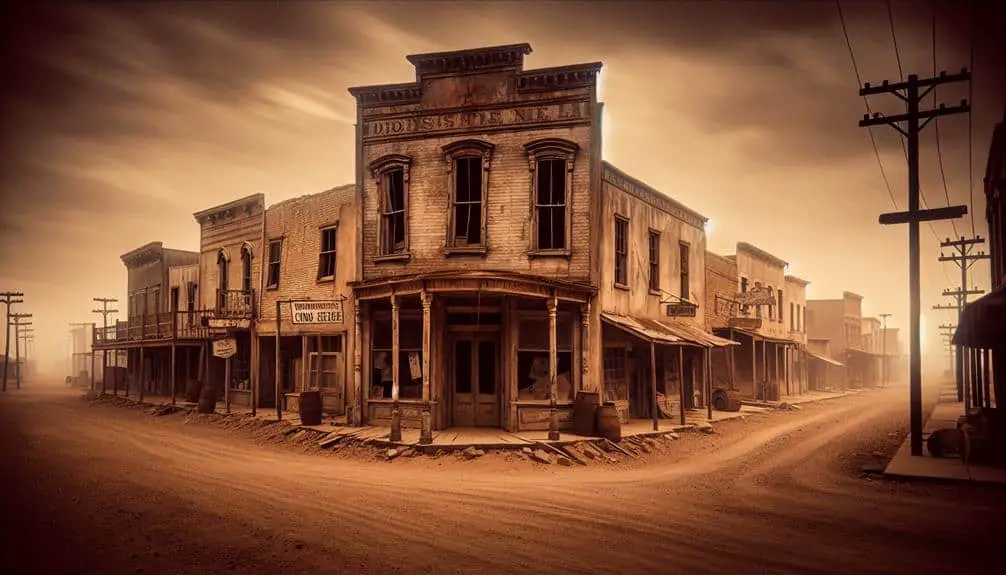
(238, 304)
(165, 326)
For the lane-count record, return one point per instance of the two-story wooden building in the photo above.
(840, 323)
(483, 218)
(163, 330)
(794, 309)
(749, 308)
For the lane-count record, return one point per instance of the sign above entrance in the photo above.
(225, 348)
(316, 312)
(478, 119)
(681, 309)
(227, 323)
(755, 296)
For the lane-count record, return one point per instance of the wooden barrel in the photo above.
(583, 412)
(309, 407)
(192, 389)
(607, 423)
(727, 400)
(207, 399)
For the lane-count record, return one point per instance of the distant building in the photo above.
(840, 322)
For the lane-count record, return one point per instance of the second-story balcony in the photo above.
(152, 328)
(235, 304)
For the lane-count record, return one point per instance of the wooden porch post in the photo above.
(426, 425)
(357, 414)
(754, 366)
(653, 385)
(764, 366)
(172, 373)
(278, 371)
(585, 350)
(987, 376)
(143, 373)
(681, 381)
(227, 385)
(396, 415)
(553, 420)
(708, 378)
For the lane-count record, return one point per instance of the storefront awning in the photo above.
(862, 352)
(983, 323)
(757, 335)
(827, 360)
(667, 333)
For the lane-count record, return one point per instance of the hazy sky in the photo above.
(120, 120)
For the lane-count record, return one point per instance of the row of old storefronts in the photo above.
(486, 268)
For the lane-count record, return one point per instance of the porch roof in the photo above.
(475, 280)
(757, 335)
(827, 360)
(863, 352)
(983, 322)
(667, 333)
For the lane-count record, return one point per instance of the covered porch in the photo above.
(863, 368)
(470, 349)
(981, 343)
(657, 370)
(824, 373)
(762, 366)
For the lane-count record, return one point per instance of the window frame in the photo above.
(246, 270)
(551, 149)
(464, 149)
(270, 263)
(322, 253)
(779, 298)
(653, 255)
(620, 220)
(684, 270)
(381, 169)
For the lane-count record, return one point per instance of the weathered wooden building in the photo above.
(794, 310)
(750, 310)
(840, 322)
(482, 275)
(311, 255)
(230, 260)
(158, 324)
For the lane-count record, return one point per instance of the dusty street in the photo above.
(99, 489)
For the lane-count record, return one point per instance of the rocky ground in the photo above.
(92, 488)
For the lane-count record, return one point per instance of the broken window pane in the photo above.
(550, 203)
(468, 201)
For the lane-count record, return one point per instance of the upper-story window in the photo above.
(621, 251)
(275, 250)
(392, 175)
(326, 253)
(744, 289)
(469, 162)
(222, 271)
(551, 163)
(653, 241)
(792, 322)
(684, 253)
(246, 270)
(771, 307)
(757, 307)
(191, 290)
(779, 300)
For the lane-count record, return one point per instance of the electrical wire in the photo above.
(873, 139)
(936, 126)
(901, 73)
(971, 102)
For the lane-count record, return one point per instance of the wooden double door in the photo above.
(475, 380)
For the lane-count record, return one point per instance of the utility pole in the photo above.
(105, 312)
(19, 322)
(912, 96)
(78, 354)
(883, 352)
(9, 298)
(963, 259)
(27, 336)
(947, 331)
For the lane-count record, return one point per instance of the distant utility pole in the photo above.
(964, 259)
(947, 331)
(77, 354)
(105, 312)
(9, 298)
(883, 353)
(19, 322)
(912, 96)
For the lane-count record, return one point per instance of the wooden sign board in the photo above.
(316, 312)
(681, 309)
(227, 323)
(225, 348)
(755, 296)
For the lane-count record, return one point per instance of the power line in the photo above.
(971, 141)
(936, 126)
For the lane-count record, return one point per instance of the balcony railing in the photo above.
(159, 327)
(236, 304)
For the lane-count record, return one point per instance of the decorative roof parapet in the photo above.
(651, 196)
(230, 209)
(796, 280)
(760, 253)
(149, 252)
(388, 95)
(559, 78)
(487, 59)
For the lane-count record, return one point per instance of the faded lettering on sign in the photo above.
(314, 312)
(462, 120)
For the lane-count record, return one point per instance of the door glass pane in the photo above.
(487, 367)
(463, 367)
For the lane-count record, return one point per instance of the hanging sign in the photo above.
(681, 309)
(225, 348)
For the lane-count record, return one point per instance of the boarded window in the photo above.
(468, 202)
(779, 300)
(393, 211)
(685, 258)
(744, 289)
(621, 251)
(550, 204)
(326, 254)
(275, 249)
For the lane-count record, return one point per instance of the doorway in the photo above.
(475, 381)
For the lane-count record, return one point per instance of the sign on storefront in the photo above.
(316, 312)
(681, 309)
(225, 348)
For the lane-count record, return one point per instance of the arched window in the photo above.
(222, 280)
(468, 164)
(551, 163)
(391, 173)
(246, 270)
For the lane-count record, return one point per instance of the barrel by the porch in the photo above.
(726, 399)
(310, 407)
(192, 389)
(584, 416)
(608, 424)
(207, 399)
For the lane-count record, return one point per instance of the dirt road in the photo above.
(98, 489)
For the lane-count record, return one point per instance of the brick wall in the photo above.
(721, 280)
(229, 234)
